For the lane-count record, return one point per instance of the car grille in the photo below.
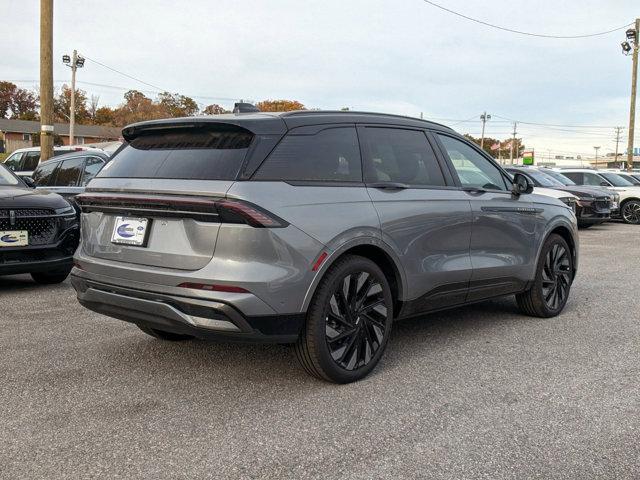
(602, 203)
(41, 224)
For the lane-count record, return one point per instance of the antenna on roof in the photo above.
(244, 107)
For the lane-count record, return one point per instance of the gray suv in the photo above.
(313, 228)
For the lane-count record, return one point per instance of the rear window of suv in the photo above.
(213, 152)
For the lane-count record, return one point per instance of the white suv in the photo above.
(629, 193)
(24, 161)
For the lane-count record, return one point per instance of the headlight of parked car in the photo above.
(570, 202)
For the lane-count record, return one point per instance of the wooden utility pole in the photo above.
(618, 132)
(72, 113)
(634, 85)
(513, 141)
(46, 79)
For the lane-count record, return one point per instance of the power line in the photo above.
(556, 124)
(519, 32)
(125, 74)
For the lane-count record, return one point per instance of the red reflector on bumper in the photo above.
(214, 288)
(318, 263)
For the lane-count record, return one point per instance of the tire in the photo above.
(163, 335)
(348, 322)
(50, 278)
(551, 287)
(630, 212)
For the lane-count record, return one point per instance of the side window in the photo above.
(592, 179)
(91, 169)
(69, 172)
(331, 155)
(576, 177)
(403, 156)
(472, 168)
(13, 162)
(43, 175)
(30, 161)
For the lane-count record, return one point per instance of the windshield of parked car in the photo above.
(616, 180)
(7, 179)
(559, 177)
(542, 178)
(630, 178)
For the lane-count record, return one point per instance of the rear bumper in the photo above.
(202, 318)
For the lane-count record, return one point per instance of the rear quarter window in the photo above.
(331, 155)
(213, 152)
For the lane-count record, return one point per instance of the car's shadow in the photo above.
(16, 283)
(276, 364)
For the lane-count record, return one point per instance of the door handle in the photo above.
(388, 185)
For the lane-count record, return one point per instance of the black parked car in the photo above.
(38, 231)
(594, 204)
(69, 174)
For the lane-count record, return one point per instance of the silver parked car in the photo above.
(313, 228)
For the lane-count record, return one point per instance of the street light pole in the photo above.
(632, 43)
(74, 63)
(484, 117)
(596, 149)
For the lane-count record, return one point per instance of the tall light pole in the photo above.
(513, 141)
(631, 46)
(484, 117)
(46, 79)
(74, 62)
(618, 132)
(596, 149)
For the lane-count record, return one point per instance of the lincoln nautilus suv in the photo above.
(314, 228)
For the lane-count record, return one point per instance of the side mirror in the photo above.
(29, 181)
(521, 184)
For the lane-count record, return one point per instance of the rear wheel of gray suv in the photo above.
(163, 335)
(554, 275)
(630, 211)
(348, 322)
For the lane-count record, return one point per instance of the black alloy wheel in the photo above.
(348, 321)
(556, 276)
(549, 291)
(356, 320)
(631, 212)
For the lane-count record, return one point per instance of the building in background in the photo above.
(16, 134)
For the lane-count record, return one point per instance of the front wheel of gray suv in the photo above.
(348, 322)
(554, 274)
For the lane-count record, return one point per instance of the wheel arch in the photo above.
(378, 252)
(568, 234)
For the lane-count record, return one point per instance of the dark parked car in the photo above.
(69, 174)
(594, 205)
(38, 231)
(313, 228)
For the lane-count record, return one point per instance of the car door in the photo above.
(423, 216)
(29, 163)
(502, 249)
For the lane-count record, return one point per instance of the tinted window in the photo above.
(30, 161)
(540, 179)
(593, 179)
(13, 162)
(69, 172)
(472, 168)
(631, 179)
(213, 152)
(91, 168)
(575, 177)
(558, 176)
(403, 156)
(43, 176)
(616, 180)
(330, 155)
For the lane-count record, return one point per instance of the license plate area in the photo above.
(131, 231)
(14, 238)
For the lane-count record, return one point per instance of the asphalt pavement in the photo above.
(477, 392)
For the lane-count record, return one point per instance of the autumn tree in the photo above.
(136, 108)
(16, 102)
(62, 106)
(104, 116)
(279, 105)
(176, 105)
(214, 109)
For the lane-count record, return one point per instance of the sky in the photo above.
(395, 56)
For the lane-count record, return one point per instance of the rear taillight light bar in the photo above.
(221, 209)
